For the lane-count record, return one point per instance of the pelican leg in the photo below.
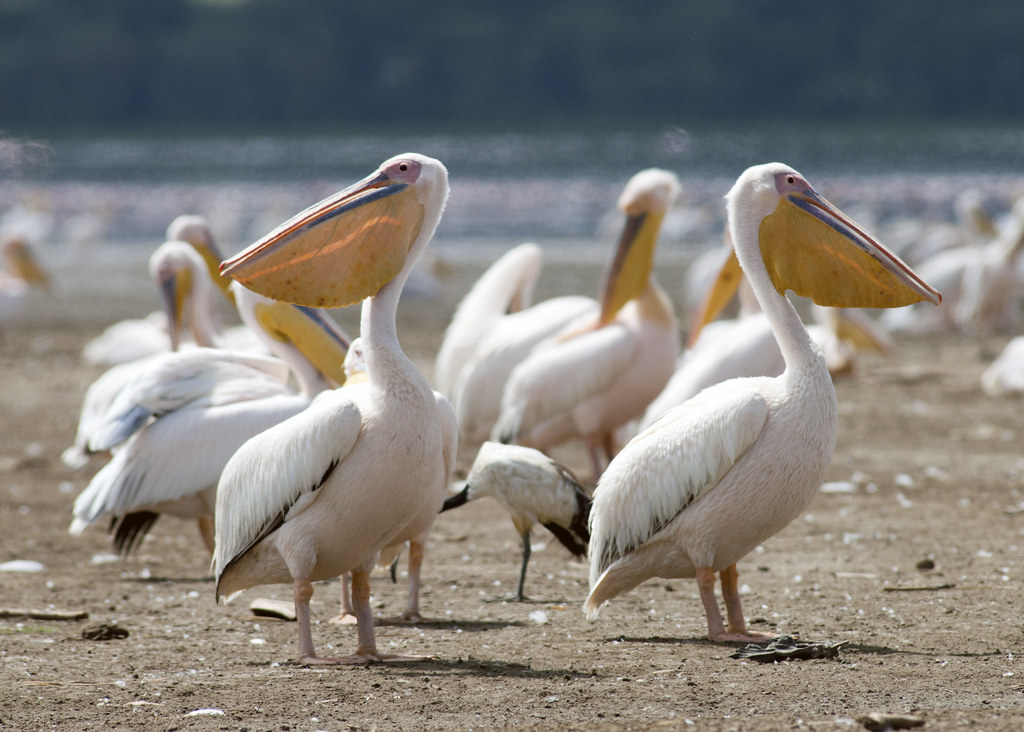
(734, 607)
(412, 608)
(594, 451)
(346, 616)
(367, 650)
(716, 627)
(206, 531)
(522, 570)
(303, 590)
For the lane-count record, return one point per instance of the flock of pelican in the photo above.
(308, 456)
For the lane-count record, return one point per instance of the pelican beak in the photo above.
(208, 251)
(26, 266)
(311, 331)
(812, 248)
(174, 291)
(721, 292)
(627, 276)
(336, 252)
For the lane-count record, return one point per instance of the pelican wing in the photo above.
(179, 455)
(277, 474)
(664, 469)
(170, 382)
(560, 375)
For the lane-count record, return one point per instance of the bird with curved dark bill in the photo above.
(534, 489)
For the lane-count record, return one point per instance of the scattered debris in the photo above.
(879, 721)
(922, 588)
(105, 632)
(266, 608)
(787, 648)
(925, 564)
(43, 614)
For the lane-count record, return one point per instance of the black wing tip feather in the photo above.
(130, 529)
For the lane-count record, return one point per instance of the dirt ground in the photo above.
(911, 559)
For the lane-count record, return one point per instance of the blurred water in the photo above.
(556, 188)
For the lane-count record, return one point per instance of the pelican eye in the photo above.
(403, 167)
(790, 179)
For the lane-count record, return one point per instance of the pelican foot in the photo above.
(406, 617)
(751, 636)
(344, 619)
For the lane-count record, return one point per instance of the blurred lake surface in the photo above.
(558, 189)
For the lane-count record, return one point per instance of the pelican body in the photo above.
(716, 476)
(322, 493)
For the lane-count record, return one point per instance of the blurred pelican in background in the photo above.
(506, 287)
(980, 286)
(476, 393)
(588, 380)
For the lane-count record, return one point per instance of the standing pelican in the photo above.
(175, 424)
(589, 382)
(323, 493)
(533, 488)
(716, 476)
(506, 287)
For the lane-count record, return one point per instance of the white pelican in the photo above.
(21, 274)
(417, 532)
(533, 488)
(175, 424)
(506, 287)
(589, 382)
(323, 493)
(715, 477)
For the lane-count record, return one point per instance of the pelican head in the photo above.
(812, 248)
(347, 247)
(173, 267)
(196, 231)
(645, 201)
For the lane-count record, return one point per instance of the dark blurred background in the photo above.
(200, 66)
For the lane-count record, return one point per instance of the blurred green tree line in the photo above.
(249, 65)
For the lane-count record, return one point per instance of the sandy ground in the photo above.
(933, 472)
